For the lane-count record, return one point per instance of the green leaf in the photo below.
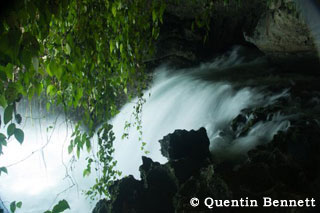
(154, 15)
(48, 106)
(9, 71)
(11, 92)
(48, 69)
(19, 135)
(3, 140)
(35, 63)
(55, 69)
(61, 206)
(121, 48)
(19, 204)
(86, 172)
(8, 114)
(11, 128)
(114, 10)
(39, 89)
(68, 49)
(18, 118)
(70, 148)
(79, 94)
(13, 206)
(59, 72)
(78, 152)
(3, 169)
(3, 101)
(51, 90)
(88, 145)
(111, 46)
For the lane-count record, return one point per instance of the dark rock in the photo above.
(202, 185)
(154, 193)
(301, 143)
(102, 206)
(186, 168)
(158, 177)
(127, 196)
(183, 144)
(160, 186)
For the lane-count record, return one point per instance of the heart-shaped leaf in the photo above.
(61, 206)
(19, 135)
(11, 128)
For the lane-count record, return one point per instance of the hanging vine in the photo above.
(81, 55)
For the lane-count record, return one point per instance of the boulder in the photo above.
(153, 193)
(184, 144)
(126, 196)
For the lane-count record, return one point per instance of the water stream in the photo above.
(181, 99)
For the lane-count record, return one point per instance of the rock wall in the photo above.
(282, 32)
(277, 29)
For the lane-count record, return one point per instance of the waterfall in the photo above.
(181, 99)
(176, 99)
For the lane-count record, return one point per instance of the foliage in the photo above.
(83, 55)
(104, 161)
(10, 114)
(3, 169)
(60, 207)
(202, 21)
(14, 205)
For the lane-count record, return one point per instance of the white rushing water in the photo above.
(180, 99)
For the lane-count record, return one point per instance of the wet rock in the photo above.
(157, 177)
(247, 118)
(183, 145)
(153, 193)
(187, 152)
(127, 196)
(102, 206)
(301, 143)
